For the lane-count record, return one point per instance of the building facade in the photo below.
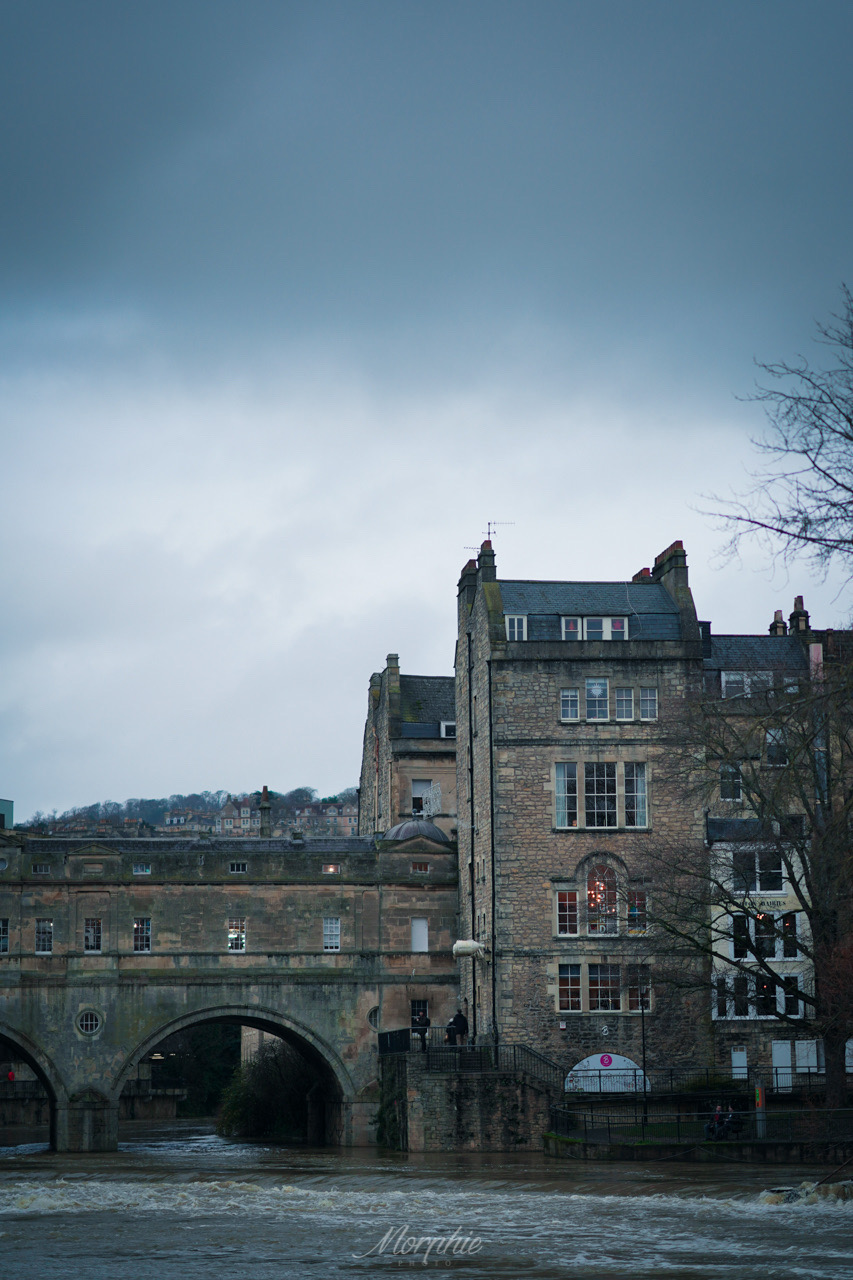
(409, 751)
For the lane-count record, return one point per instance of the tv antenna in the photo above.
(491, 525)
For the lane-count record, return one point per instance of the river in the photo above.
(178, 1203)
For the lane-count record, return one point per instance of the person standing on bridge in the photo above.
(420, 1026)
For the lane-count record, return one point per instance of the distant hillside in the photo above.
(152, 812)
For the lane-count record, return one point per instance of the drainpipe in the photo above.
(492, 860)
(471, 881)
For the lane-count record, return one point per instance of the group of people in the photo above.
(456, 1031)
(722, 1124)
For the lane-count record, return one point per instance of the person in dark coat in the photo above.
(715, 1126)
(420, 1026)
(459, 1023)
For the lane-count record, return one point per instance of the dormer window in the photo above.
(516, 626)
(448, 728)
(594, 628)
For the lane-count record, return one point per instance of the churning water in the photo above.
(179, 1203)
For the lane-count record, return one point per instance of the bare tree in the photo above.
(801, 502)
(767, 899)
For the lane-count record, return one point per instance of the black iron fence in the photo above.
(808, 1125)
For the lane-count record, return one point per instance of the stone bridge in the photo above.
(108, 948)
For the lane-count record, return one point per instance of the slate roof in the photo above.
(587, 599)
(756, 653)
(427, 699)
(651, 611)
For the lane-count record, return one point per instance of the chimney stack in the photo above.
(799, 619)
(778, 626)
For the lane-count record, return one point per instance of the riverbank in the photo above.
(754, 1152)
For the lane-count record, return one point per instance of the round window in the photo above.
(3, 864)
(373, 1017)
(89, 1023)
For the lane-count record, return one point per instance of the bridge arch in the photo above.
(21, 1047)
(331, 1070)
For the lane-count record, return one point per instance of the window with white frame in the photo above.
(567, 912)
(635, 795)
(569, 704)
(731, 786)
(516, 626)
(756, 995)
(605, 988)
(648, 703)
(639, 988)
(605, 628)
(776, 748)
(571, 628)
(601, 901)
(142, 933)
(569, 988)
(44, 937)
(767, 935)
(567, 795)
(597, 699)
(41, 868)
(92, 934)
(331, 933)
(624, 701)
(757, 870)
(237, 933)
(745, 684)
(4, 936)
(420, 933)
(600, 794)
(238, 868)
(448, 728)
(420, 792)
(420, 868)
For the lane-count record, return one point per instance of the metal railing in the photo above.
(689, 1128)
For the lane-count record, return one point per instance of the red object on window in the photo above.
(11, 1075)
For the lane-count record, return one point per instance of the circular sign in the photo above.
(606, 1060)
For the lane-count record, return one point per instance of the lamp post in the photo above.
(643, 995)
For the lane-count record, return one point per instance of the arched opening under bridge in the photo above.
(291, 1086)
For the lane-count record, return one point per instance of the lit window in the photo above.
(571, 628)
(601, 901)
(4, 937)
(635, 795)
(92, 934)
(600, 795)
(567, 795)
(569, 995)
(567, 912)
(637, 918)
(597, 700)
(624, 704)
(605, 987)
(730, 783)
(238, 868)
(331, 868)
(142, 933)
(44, 937)
(569, 704)
(420, 868)
(648, 704)
(237, 933)
(332, 933)
(420, 934)
(516, 626)
(765, 997)
(142, 868)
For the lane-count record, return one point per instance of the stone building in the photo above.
(564, 694)
(409, 752)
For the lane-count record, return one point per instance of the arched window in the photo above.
(601, 900)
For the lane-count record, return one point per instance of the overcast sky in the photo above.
(296, 296)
